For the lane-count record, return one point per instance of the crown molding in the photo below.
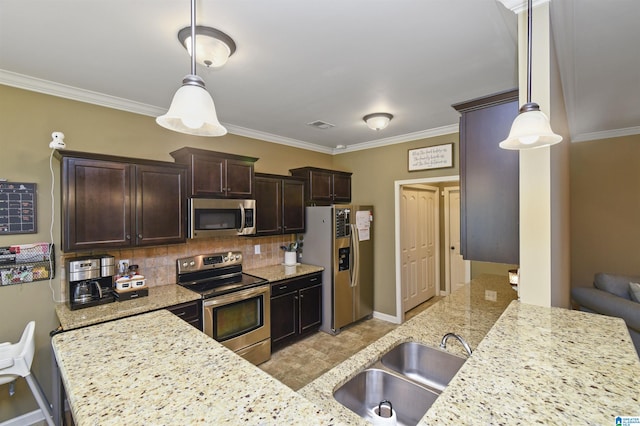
(518, 6)
(269, 137)
(21, 81)
(606, 134)
(408, 137)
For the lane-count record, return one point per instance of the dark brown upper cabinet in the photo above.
(216, 174)
(117, 202)
(325, 186)
(489, 180)
(279, 204)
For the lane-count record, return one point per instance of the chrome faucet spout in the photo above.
(443, 343)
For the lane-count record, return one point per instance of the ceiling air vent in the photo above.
(321, 124)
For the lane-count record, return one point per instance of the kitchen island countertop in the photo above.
(544, 365)
(159, 297)
(536, 365)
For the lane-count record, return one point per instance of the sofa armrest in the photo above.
(608, 304)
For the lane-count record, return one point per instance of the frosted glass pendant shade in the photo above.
(192, 111)
(530, 129)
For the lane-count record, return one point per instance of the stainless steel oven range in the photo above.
(235, 306)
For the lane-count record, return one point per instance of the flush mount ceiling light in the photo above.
(192, 110)
(378, 120)
(213, 46)
(531, 128)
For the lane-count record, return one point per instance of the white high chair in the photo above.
(15, 361)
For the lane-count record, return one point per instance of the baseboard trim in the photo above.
(385, 317)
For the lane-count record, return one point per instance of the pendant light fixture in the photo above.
(192, 110)
(531, 128)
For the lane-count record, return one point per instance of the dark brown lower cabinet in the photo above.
(296, 309)
(190, 312)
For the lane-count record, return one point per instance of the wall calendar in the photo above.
(18, 208)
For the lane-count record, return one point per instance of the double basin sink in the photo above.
(410, 377)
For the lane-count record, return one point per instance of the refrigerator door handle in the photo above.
(355, 250)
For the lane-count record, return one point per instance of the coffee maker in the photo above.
(90, 280)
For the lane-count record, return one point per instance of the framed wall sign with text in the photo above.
(431, 157)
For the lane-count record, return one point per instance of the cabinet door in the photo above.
(292, 206)
(310, 308)
(341, 188)
(208, 176)
(320, 186)
(489, 176)
(284, 312)
(268, 207)
(239, 179)
(97, 204)
(160, 198)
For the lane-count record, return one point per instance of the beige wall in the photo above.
(375, 171)
(605, 206)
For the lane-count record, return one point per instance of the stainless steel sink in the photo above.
(368, 388)
(426, 365)
(410, 375)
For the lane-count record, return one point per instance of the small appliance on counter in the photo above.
(90, 280)
(131, 286)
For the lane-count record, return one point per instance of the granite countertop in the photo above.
(123, 373)
(159, 297)
(283, 272)
(535, 365)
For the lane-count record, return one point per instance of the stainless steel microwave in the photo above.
(221, 217)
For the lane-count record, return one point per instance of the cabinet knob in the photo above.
(140, 236)
(453, 248)
(128, 237)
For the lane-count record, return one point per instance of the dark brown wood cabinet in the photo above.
(489, 180)
(296, 308)
(117, 202)
(279, 204)
(217, 174)
(190, 312)
(325, 186)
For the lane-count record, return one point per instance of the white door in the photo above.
(419, 244)
(457, 270)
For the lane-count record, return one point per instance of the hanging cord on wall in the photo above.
(51, 272)
(57, 142)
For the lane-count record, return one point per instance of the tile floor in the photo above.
(302, 362)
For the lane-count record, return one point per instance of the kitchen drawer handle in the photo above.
(284, 287)
(181, 314)
(313, 279)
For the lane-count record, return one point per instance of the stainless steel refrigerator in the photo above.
(340, 239)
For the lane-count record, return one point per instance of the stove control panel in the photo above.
(204, 262)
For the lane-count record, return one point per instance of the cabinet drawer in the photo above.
(189, 312)
(294, 284)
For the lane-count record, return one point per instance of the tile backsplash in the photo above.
(158, 264)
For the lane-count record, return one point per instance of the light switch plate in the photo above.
(256, 249)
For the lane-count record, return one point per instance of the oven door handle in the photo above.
(236, 296)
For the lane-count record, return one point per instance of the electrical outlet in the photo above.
(123, 265)
(256, 249)
(491, 295)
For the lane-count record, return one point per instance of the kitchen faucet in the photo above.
(443, 343)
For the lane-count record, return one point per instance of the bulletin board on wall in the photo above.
(18, 212)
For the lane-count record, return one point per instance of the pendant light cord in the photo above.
(529, 53)
(193, 37)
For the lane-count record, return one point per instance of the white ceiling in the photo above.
(333, 60)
